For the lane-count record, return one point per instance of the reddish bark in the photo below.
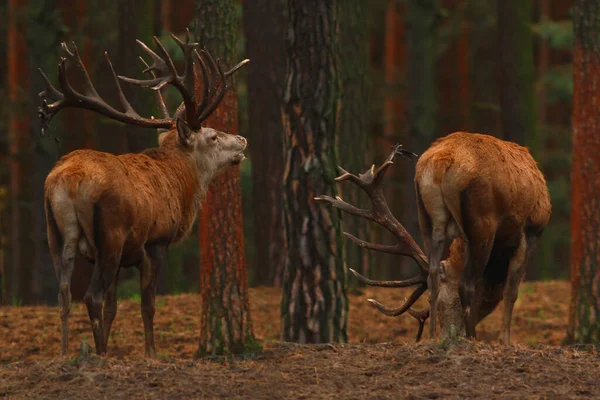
(265, 39)
(18, 279)
(584, 325)
(225, 323)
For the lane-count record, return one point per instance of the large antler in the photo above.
(163, 73)
(371, 183)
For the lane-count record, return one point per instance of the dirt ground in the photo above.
(381, 361)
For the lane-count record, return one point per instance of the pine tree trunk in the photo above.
(42, 54)
(422, 99)
(225, 323)
(584, 325)
(517, 73)
(135, 22)
(314, 304)
(485, 115)
(4, 162)
(18, 283)
(354, 115)
(265, 46)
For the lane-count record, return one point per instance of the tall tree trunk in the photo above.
(517, 80)
(225, 323)
(136, 19)
(4, 161)
(264, 29)
(43, 21)
(314, 304)
(584, 325)
(484, 112)
(354, 149)
(421, 97)
(21, 242)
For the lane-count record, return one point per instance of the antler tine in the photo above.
(394, 312)
(159, 97)
(89, 88)
(124, 102)
(421, 317)
(416, 280)
(205, 84)
(218, 83)
(399, 248)
(49, 92)
(238, 66)
(189, 78)
(346, 207)
(219, 95)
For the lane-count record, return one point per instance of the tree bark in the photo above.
(517, 73)
(136, 19)
(422, 100)
(43, 21)
(225, 324)
(18, 282)
(354, 113)
(584, 325)
(314, 304)
(485, 108)
(265, 46)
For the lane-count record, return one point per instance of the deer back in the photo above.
(154, 195)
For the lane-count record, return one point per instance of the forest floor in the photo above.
(381, 361)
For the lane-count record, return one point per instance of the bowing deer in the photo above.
(123, 211)
(487, 200)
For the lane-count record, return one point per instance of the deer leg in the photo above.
(64, 273)
(516, 270)
(435, 258)
(105, 270)
(149, 273)
(472, 285)
(110, 307)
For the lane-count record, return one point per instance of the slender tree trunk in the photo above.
(453, 72)
(225, 324)
(4, 161)
(354, 116)
(584, 325)
(136, 19)
(43, 21)
(485, 109)
(517, 73)
(21, 242)
(421, 97)
(264, 30)
(314, 304)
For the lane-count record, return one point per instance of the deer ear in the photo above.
(184, 132)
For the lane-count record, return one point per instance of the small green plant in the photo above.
(16, 302)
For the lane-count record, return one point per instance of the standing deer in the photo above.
(486, 198)
(123, 211)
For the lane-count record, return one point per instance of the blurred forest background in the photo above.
(409, 72)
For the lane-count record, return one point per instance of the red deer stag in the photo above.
(122, 211)
(486, 198)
